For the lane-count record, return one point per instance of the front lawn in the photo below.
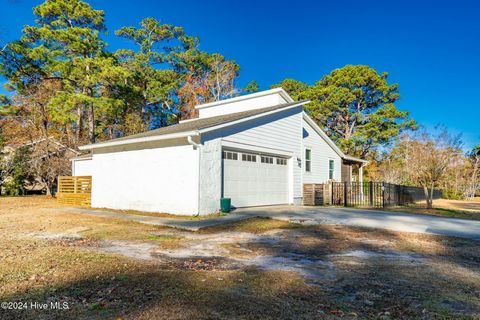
(254, 269)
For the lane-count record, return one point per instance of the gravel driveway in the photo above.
(404, 222)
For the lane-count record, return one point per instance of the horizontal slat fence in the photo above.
(363, 194)
(316, 194)
(75, 190)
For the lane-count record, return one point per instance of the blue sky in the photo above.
(431, 48)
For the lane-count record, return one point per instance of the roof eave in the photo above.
(82, 157)
(138, 140)
(226, 124)
(354, 159)
(186, 133)
(280, 91)
(330, 142)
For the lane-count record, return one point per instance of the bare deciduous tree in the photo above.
(428, 157)
(473, 184)
(49, 160)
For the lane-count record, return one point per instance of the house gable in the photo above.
(321, 153)
(279, 133)
(243, 103)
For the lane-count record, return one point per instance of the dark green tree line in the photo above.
(64, 80)
(355, 106)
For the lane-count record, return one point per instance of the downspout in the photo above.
(193, 143)
(197, 146)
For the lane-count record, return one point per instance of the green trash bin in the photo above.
(225, 205)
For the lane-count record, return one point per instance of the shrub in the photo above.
(452, 194)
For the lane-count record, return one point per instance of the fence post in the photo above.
(383, 194)
(370, 193)
(313, 194)
(345, 201)
(399, 194)
(331, 191)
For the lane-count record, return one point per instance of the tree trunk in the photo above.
(427, 197)
(79, 124)
(472, 188)
(430, 204)
(49, 189)
(91, 124)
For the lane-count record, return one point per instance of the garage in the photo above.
(253, 179)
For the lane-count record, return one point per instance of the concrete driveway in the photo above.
(404, 222)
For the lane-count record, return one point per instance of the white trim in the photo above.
(305, 148)
(347, 157)
(139, 140)
(329, 141)
(323, 134)
(280, 91)
(227, 124)
(79, 158)
(333, 172)
(253, 148)
(189, 120)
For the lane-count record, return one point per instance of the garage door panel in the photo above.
(253, 183)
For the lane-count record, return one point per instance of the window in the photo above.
(308, 160)
(331, 169)
(249, 157)
(282, 161)
(230, 155)
(265, 159)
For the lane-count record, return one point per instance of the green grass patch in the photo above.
(164, 238)
(253, 225)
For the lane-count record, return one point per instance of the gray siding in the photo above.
(282, 131)
(321, 154)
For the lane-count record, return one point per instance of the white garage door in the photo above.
(251, 179)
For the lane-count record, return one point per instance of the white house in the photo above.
(256, 149)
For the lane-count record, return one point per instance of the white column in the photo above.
(360, 180)
(360, 173)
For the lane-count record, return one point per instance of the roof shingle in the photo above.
(204, 123)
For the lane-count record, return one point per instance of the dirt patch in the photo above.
(235, 250)
(269, 269)
(312, 269)
(399, 257)
(136, 250)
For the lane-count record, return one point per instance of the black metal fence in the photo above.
(375, 194)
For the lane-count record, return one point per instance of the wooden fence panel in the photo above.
(315, 194)
(75, 190)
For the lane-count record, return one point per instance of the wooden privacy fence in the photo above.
(316, 194)
(362, 194)
(75, 190)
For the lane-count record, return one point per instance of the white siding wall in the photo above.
(281, 131)
(321, 154)
(210, 176)
(161, 179)
(82, 167)
(226, 107)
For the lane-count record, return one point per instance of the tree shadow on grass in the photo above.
(367, 288)
(175, 295)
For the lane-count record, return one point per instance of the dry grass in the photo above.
(459, 209)
(34, 267)
(163, 215)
